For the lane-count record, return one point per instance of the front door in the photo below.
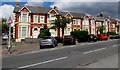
(35, 33)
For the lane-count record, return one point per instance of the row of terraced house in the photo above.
(30, 19)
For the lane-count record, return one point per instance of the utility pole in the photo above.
(9, 22)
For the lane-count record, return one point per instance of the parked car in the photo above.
(116, 36)
(91, 37)
(5, 36)
(88, 38)
(102, 37)
(48, 41)
(69, 39)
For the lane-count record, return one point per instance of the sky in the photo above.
(90, 7)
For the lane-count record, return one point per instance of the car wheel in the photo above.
(41, 47)
(53, 46)
(95, 40)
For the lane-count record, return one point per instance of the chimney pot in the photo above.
(17, 4)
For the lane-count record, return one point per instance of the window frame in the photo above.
(24, 18)
(74, 22)
(34, 19)
(43, 20)
(79, 22)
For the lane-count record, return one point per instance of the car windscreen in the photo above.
(68, 37)
(46, 38)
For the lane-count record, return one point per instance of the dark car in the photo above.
(91, 37)
(116, 36)
(48, 41)
(88, 38)
(102, 37)
(69, 39)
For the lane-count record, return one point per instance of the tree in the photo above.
(101, 29)
(60, 23)
(57, 24)
(5, 27)
(64, 22)
(44, 32)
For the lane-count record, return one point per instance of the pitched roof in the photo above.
(77, 15)
(63, 13)
(99, 19)
(34, 9)
(113, 20)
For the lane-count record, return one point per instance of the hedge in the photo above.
(78, 34)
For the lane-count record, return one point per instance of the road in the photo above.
(70, 57)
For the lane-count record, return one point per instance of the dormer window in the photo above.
(24, 17)
(52, 17)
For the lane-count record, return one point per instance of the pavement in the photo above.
(75, 56)
(106, 62)
(23, 48)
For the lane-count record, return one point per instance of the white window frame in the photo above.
(42, 20)
(27, 31)
(52, 18)
(74, 22)
(92, 23)
(22, 17)
(86, 21)
(68, 31)
(34, 19)
(79, 22)
(23, 32)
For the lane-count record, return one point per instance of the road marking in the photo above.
(116, 45)
(94, 50)
(43, 62)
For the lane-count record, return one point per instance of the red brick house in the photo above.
(29, 20)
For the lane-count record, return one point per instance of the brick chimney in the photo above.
(55, 7)
(17, 4)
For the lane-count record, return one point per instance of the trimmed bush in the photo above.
(78, 34)
(111, 33)
(41, 35)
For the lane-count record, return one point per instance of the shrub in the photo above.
(41, 35)
(77, 33)
(111, 33)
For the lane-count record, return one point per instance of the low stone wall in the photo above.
(32, 40)
(27, 42)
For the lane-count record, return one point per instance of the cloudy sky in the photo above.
(91, 7)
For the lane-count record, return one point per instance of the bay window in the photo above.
(24, 31)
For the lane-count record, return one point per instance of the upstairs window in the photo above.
(52, 17)
(92, 23)
(78, 22)
(35, 19)
(86, 22)
(74, 22)
(24, 17)
(42, 18)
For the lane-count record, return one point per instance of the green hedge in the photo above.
(78, 34)
(111, 33)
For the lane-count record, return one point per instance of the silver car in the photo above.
(48, 41)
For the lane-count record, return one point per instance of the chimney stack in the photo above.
(55, 7)
(17, 4)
